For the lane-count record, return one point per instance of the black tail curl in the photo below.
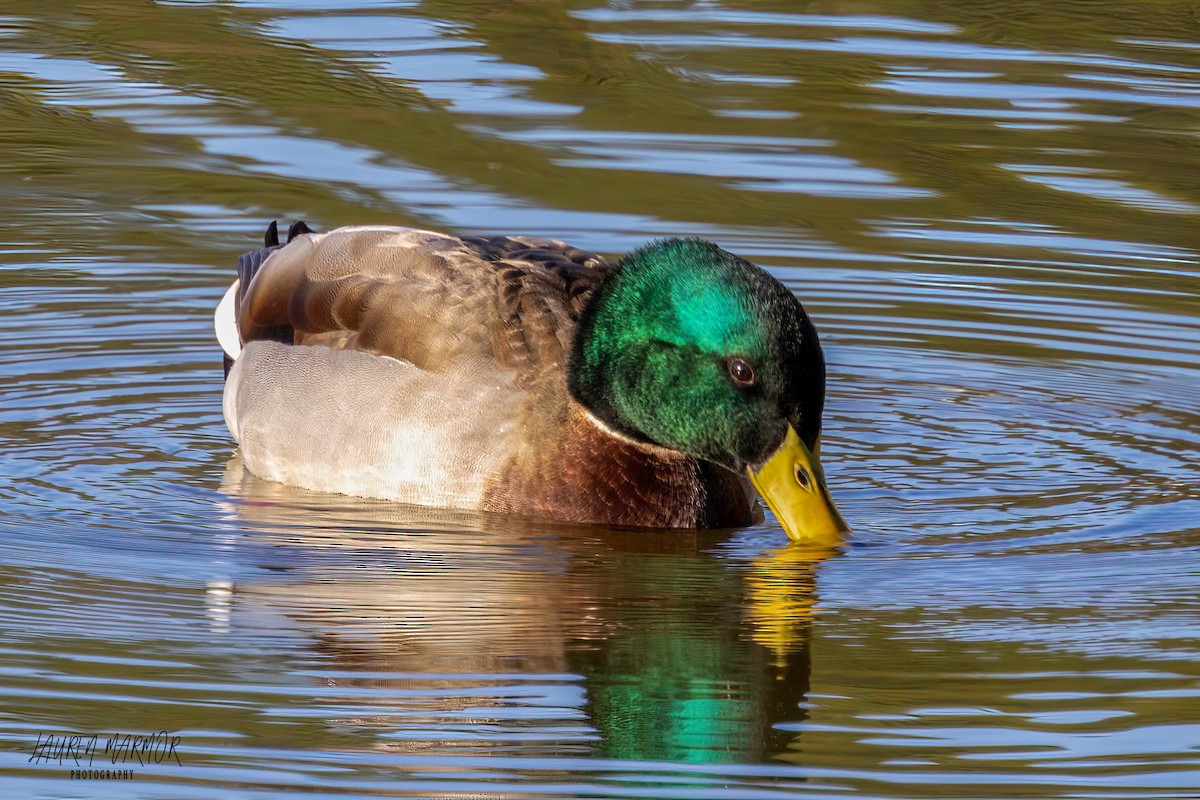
(248, 266)
(249, 263)
(299, 228)
(271, 238)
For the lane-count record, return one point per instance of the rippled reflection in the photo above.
(479, 632)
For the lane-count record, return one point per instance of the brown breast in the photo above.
(577, 471)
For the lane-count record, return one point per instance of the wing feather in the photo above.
(426, 298)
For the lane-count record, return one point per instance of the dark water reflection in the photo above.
(991, 211)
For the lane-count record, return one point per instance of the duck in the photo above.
(524, 376)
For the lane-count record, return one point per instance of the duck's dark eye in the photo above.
(802, 476)
(741, 372)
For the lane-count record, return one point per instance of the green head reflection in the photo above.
(708, 658)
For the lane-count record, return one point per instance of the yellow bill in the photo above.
(793, 484)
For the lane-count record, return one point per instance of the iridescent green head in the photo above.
(694, 349)
(691, 348)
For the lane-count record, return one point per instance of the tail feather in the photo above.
(225, 321)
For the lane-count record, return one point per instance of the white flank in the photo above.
(372, 426)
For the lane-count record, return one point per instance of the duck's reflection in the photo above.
(466, 631)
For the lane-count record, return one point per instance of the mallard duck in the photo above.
(526, 376)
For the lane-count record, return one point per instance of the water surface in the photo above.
(992, 212)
